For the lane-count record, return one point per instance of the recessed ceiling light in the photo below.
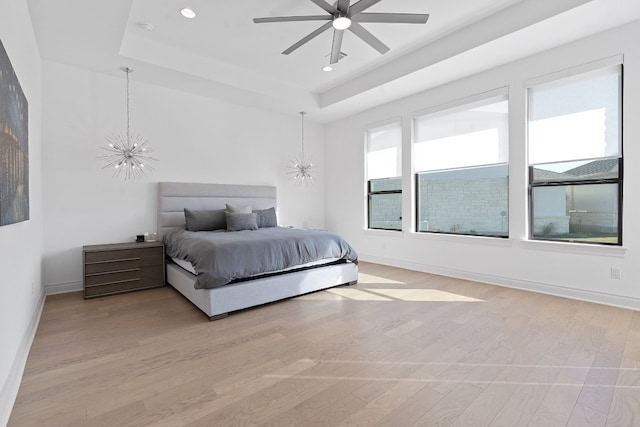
(188, 13)
(145, 26)
(327, 68)
(341, 23)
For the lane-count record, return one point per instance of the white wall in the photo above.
(196, 139)
(21, 294)
(565, 269)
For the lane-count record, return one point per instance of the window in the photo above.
(384, 182)
(462, 172)
(575, 158)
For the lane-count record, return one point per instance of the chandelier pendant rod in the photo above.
(302, 114)
(128, 70)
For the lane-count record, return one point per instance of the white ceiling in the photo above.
(223, 54)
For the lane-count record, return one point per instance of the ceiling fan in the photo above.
(345, 16)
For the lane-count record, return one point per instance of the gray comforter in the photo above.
(221, 256)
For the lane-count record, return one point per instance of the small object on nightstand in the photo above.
(140, 238)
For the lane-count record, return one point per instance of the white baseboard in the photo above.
(614, 300)
(10, 389)
(62, 288)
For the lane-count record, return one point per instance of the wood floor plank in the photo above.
(400, 348)
(448, 409)
(625, 408)
(600, 381)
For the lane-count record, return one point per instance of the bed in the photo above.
(217, 302)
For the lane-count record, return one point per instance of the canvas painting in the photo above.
(14, 146)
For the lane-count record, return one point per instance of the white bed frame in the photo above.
(216, 303)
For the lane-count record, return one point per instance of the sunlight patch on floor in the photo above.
(412, 294)
(368, 278)
(423, 295)
(357, 294)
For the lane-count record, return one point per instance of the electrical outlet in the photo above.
(615, 273)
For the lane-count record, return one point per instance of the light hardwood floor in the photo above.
(401, 348)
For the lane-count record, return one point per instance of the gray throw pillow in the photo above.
(204, 220)
(241, 221)
(267, 218)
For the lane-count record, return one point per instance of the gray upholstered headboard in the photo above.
(173, 197)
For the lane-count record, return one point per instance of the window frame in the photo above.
(479, 99)
(619, 181)
(389, 123)
(382, 192)
(559, 183)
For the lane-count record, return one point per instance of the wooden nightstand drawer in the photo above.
(124, 281)
(96, 262)
(124, 267)
(144, 256)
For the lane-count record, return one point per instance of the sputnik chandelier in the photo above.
(302, 170)
(126, 153)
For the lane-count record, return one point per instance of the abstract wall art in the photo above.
(14, 146)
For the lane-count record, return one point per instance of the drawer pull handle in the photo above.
(113, 283)
(114, 260)
(102, 273)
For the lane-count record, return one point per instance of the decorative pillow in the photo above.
(266, 218)
(241, 221)
(204, 220)
(245, 209)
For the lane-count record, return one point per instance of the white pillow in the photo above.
(244, 209)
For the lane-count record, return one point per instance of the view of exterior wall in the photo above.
(470, 206)
(593, 222)
(548, 225)
(576, 210)
(385, 209)
(585, 208)
(550, 217)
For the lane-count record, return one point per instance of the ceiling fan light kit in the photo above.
(341, 23)
(346, 16)
(188, 13)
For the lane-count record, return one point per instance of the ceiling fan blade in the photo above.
(293, 18)
(343, 5)
(360, 6)
(326, 6)
(312, 35)
(337, 45)
(368, 38)
(396, 18)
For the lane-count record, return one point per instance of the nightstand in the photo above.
(122, 267)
